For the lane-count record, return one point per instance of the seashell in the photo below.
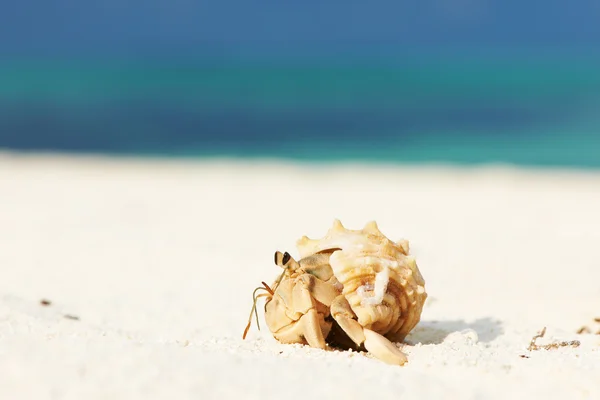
(351, 288)
(381, 281)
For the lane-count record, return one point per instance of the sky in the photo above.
(197, 27)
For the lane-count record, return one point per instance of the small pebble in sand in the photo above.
(45, 302)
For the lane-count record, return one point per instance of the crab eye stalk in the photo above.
(281, 259)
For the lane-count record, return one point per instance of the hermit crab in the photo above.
(351, 288)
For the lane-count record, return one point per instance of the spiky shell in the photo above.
(381, 281)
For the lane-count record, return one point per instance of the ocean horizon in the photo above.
(520, 110)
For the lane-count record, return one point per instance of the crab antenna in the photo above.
(271, 292)
(283, 260)
(254, 310)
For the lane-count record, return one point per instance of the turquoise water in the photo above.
(521, 111)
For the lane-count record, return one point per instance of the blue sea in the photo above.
(519, 110)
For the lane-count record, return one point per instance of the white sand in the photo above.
(159, 259)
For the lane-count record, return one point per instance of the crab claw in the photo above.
(382, 348)
(375, 343)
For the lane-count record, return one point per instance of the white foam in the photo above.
(382, 279)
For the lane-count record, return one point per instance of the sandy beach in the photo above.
(148, 266)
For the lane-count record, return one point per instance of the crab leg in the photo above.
(375, 343)
(306, 290)
(294, 313)
(346, 319)
(311, 330)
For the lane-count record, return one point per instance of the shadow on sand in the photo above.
(434, 332)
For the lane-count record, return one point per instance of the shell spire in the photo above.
(337, 225)
(371, 227)
(403, 243)
(307, 246)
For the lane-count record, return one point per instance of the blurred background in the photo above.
(453, 81)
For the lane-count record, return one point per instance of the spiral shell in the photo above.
(381, 281)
